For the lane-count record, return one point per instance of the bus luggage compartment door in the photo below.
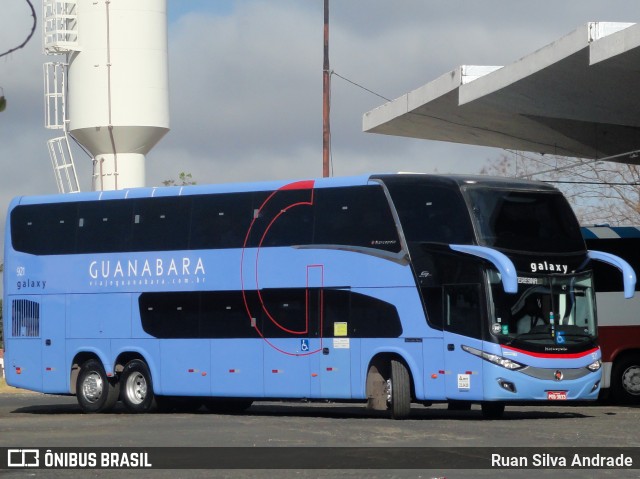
(55, 374)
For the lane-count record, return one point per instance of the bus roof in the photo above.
(461, 180)
(165, 191)
(610, 232)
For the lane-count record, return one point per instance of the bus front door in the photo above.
(462, 329)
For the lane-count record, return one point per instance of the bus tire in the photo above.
(136, 387)
(625, 380)
(95, 391)
(492, 410)
(399, 390)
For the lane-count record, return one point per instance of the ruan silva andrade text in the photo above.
(551, 461)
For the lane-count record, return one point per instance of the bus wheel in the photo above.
(137, 389)
(398, 390)
(94, 390)
(492, 410)
(625, 380)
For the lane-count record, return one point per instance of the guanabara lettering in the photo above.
(107, 269)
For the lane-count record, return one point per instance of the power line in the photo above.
(359, 86)
(436, 117)
(331, 73)
(600, 183)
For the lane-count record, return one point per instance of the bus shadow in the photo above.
(356, 411)
(59, 408)
(417, 413)
(49, 409)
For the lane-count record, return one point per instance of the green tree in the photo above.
(184, 179)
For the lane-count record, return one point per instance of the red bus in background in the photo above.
(618, 321)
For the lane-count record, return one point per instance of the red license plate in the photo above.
(557, 395)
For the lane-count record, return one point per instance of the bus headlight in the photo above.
(594, 366)
(494, 358)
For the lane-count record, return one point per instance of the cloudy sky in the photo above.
(246, 83)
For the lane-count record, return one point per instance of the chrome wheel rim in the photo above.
(92, 387)
(388, 391)
(136, 388)
(631, 380)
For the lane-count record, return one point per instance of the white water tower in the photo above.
(115, 98)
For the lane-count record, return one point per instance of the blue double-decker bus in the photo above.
(385, 289)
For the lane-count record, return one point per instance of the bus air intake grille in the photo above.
(25, 318)
(549, 374)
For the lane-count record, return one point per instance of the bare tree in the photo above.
(3, 100)
(599, 191)
(31, 32)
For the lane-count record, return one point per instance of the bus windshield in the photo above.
(546, 311)
(524, 220)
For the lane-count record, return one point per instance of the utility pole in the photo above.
(326, 90)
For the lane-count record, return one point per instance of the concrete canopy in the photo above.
(577, 96)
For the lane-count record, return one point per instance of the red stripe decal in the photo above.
(299, 185)
(553, 355)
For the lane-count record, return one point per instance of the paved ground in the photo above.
(34, 420)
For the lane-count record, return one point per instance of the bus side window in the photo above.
(433, 301)
(336, 304)
(103, 227)
(355, 217)
(223, 315)
(431, 213)
(220, 221)
(463, 314)
(294, 223)
(154, 218)
(207, 314)
(373, 318)
(284, 313)
(170, 315)
(44, 229)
